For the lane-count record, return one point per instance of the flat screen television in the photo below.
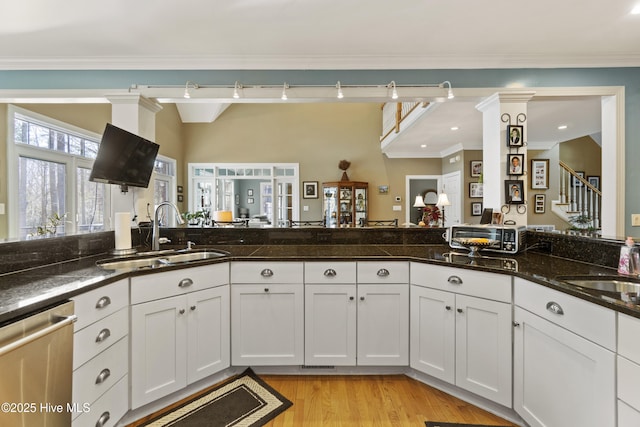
(124, 159)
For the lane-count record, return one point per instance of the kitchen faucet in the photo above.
(155, 237)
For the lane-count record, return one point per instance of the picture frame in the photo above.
(515, 135)
(476, 208)
(515, 164)
(310, 189)
(539, 174)
(594, 180)
(514, 192)
(250, 192)
(180, 198)
(539, 203)
(475, 190)
(475, 167)
(180, 188)
(576, 182)
(383, 189)
(250, 200)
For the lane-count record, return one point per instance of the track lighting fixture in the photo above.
(394, 92)
(284, 91)
(340, 94)
(188, 86)
(450, 91)
(236, 90)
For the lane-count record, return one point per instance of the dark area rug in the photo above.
(243, 401)
(437, 424)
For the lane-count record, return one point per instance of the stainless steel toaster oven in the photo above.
(508, 239)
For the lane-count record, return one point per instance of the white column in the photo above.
(136, 114)
(495, 149)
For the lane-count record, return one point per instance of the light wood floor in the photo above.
(369, 400)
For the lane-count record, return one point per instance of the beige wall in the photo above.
(317, 136)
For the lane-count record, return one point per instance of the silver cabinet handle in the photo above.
(103, 335)
(103, 375)
(383, 272)
(185, 283)
(555, 308)
(103, 302)
(454, 280)
(267, 272)
(330, 272)
(103, 419)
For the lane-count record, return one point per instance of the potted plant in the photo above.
(431, 216)
(193, 219)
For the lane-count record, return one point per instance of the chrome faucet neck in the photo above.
(155, 237)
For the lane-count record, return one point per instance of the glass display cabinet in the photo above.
(346, 203)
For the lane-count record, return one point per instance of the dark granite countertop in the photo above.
(29, 290)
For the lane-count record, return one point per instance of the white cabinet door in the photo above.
(561, 379)
(268, 324)
(383, 324)
(433, 332)
(330, 325)
(158, 349)
(483, 348)
(208, 332)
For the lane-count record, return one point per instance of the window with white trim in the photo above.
(49, 191)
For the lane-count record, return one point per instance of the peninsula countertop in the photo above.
(29, 290)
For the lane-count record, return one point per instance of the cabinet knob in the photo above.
(266, 289)
(351, 298)
(103, 419)
(103, 302)
(459, 310)
(185, 283)
(454, 280)
(103, 375)
(362, 298)
(555, 308)
(181, 311)
(330, 272)
(516, 324)
(193, 307)
(383, 272)
(447, 307)
(267, 272)
(103, 335)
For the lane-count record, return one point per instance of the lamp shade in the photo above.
(419, 203)
(443, 200)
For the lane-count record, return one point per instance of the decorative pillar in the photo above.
(504, 114)
(136, 114)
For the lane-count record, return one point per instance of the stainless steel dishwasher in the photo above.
(36, 368)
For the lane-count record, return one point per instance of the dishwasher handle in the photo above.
(65, 321)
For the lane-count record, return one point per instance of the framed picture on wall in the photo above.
(513, 192)
(576, 181)
(515, 163)
(476, 168)
(515, 135)
(594, 180)
(475, 190)
(539, 174)
(476, 208)
(539, 203)
(310, 189)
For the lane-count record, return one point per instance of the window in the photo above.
(49, 163)
(164, 187)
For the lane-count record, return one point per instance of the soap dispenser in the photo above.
(629, 258)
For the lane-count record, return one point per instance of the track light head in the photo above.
(340, 94)
(236, 90)
(450, 91)
(187, 86)
(284, 92)
(394, 92)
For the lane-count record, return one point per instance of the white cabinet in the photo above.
(101, 355)
(179, 336)
(461, 329)
(267, 313)
(628, 371)
(560, 377)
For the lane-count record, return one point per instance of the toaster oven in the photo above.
(508, 239)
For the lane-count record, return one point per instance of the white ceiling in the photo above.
(338, 34)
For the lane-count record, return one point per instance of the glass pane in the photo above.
(90, 202)
(75, 145)
(21, 131)
(38, 136)
(90, 149)
(41, 187)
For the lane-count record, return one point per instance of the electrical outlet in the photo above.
(397, 207)
(635, 220)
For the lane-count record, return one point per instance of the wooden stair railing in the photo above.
(581, 197)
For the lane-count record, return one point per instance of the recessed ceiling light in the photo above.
(455, 128)
(636, 10)
(562, 127)
(423, 146)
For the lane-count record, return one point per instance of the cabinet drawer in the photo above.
(628, 380)
(627, 416)
(109, 408)
(383, 272)
(267, 272)
(588, 320)
(94, 378)
(99, 303)
(330, 272)
(178, 282)
(468, 282)
(629, 337)
(99, 336)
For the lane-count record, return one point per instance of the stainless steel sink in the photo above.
(158, 261)
(605, 285)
